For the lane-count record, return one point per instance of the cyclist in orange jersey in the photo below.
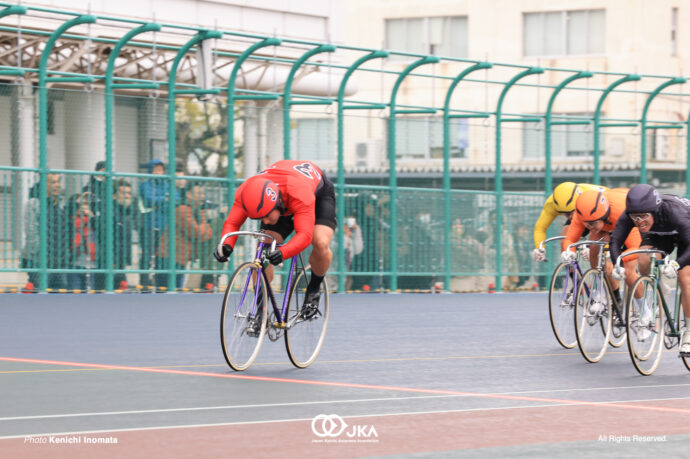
(598, 212)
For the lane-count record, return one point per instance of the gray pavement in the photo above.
(471, 344)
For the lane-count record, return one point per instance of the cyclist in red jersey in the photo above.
(288, 196)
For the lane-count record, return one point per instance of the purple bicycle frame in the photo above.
(281, 315)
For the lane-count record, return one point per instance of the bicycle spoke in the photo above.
(243, 323)
(562, 304)
(645, 326)
(593, 316)
(306, 330)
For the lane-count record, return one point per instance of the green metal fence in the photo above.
(211, 137)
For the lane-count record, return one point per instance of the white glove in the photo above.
(585, 253)
(568, 257)
(670, 269)
(539, 255)
(618, 273)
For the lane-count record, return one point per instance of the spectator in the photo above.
(81, 243)
(368, 259)
(57, 245)
(96, 188)
(153, 205)
(124, 224)
(352, 245)
(191, 229)
(467, 255)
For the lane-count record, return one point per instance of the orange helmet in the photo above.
(592, 205)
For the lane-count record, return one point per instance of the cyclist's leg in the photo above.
(321, 255)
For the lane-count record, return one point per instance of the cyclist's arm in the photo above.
(575, 231)
(548, 215)
(632, 242)
(623, 228)
(233, 222)
(682, 225)
(304, 219)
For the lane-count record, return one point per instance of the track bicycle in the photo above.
(245, 318)
(599, 316)
(562, 289)
(646, 315)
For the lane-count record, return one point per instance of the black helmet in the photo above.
(641, 199)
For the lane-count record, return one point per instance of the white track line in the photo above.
(321, 402)
(273, 421)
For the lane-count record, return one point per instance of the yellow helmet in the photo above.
(565, 195)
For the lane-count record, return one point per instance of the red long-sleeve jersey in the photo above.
(298, 182)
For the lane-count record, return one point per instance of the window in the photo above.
(674, 32)
(313, 138)
(422, 138)
(443, 36)
(564, 33)
(567, 141)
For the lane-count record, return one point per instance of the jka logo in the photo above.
(332, 425)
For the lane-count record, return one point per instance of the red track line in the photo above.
(351, 385)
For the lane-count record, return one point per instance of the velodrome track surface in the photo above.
(449, 375)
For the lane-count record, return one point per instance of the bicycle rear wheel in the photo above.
(593, 315)
(562, 304)
(304, 334)
(242, 324)
(645, 324)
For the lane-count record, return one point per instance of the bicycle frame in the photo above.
(259, 261)
(655, 274)
(573, 267)
(601, 265)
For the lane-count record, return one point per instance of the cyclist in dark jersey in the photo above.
(664, 223)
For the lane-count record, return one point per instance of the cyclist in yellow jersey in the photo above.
(561, 202)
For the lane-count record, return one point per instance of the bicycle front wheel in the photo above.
(243, 317)
(305, 330)
(562, 304)
(593, 315)
(645, 324)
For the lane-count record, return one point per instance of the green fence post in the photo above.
(548, 182)
(498, 177)
(446, 161)
(43, 139)
(287, 102)
(231, 108)
(340, 198)
(392, 172)
(109, 104)
(597, 121)
(199, 37)
(643, 125)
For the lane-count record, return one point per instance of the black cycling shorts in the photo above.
(663, 242)
(324, 210)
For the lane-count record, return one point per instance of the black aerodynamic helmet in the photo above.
(642, 198)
